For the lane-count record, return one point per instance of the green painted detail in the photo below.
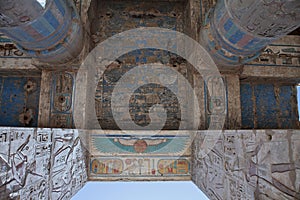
(5, 40)
(112, 145)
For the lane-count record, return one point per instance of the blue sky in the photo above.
(42, 2)
(181, 190)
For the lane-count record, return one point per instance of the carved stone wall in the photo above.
(40, 163)
(283, 52)
(244, 164)
(250, 164)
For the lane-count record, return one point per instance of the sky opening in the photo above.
(179, 190)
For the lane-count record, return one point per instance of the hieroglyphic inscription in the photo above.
(259, 164)
(36, 163)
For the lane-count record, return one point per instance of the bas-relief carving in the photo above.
(143, 98)
(69, 170)
(139, 168)
(216, 102)
(20, 163)
(240, 182)
(62, 88)
(13, 60)
(279, 54)
(8, 49)
(242, 165)
(168, 166)
(250, 165)
(115, 17)
(40, 163)
(62, 93)
(273, 18)
(116, 156)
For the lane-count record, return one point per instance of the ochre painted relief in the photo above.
(107, 166)
(139, 167)
(173, 166)
(139, 155)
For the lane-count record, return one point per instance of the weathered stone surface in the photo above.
(243, 164)
(41, 163)
(19, 97)
(13, 61)
(234, 119)
(233, 38)
(278, 62)
(249, 164)
(269, 105)
(57, 99)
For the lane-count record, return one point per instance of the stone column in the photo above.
(236, 31)
(52, 33)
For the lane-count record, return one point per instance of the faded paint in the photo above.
(268, 106)
(19, 97)
(234, 38)
(243, 164)
(53, 35)
(115, 17)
